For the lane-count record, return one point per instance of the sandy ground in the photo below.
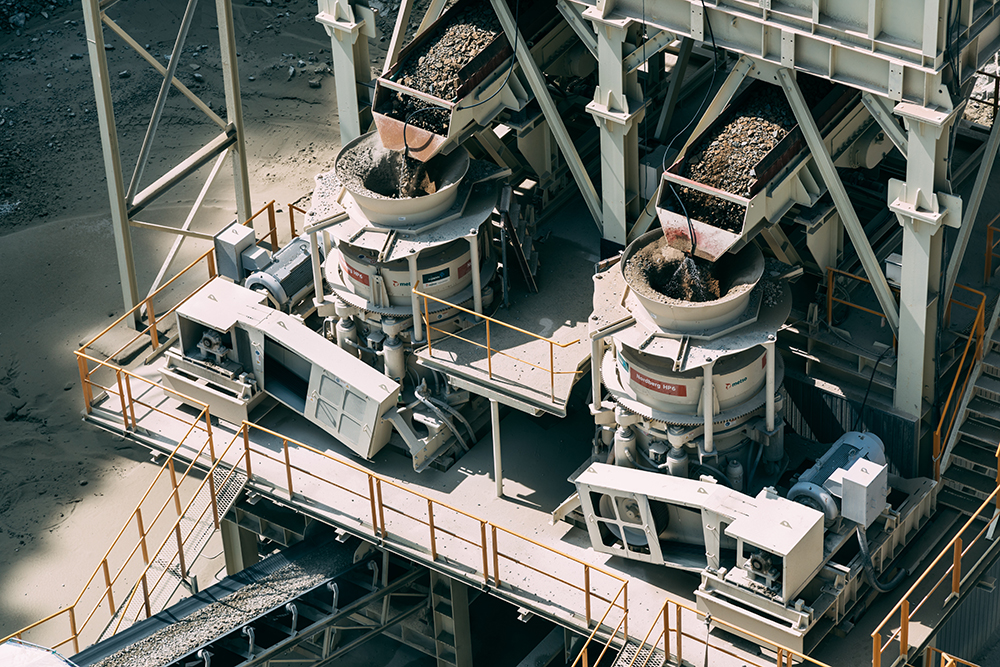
(66, 487)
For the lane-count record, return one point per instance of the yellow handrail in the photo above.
(957, 548)
(941, 435)
(490, 550)
(489, 346)
(947, 660)
(673, 650)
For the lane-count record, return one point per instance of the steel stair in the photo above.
(164, 576)
(969, 464)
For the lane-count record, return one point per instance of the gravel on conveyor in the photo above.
(232, 611)
(726, 158)
(434, 67)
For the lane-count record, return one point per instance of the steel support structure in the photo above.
(349, 26)
(617, 109)
(127, 201)
(840, 198)
(536, 80)
(922, 210)
(112, 157)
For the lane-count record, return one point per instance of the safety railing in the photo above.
(396, 514)
(104, 376)
(992, 241)
(272, 221)
(960, 551)
(949, 412)
(150, 305)
(944, 659)
(490, 350)
(128, 573)
(671, 638)
(831, 299)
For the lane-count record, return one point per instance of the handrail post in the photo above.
(666, 630)
(88, 392)
(427, 327)
(552, 372)
(211, 471)
(177, 526)
(121, 396)
(211, 264)
(496, 557)
(779, 657)
(153, 336)
(371, 498)
(586, 591)
(145, 561)
(904, 629)
(489, 351)
(625, 607)
(107, 582)
(272, 224)
(482, 533)
(381, 507)
(956, 572)
(288, 468)
(430, 523)
(246, 449)
(877, 649)
(680, 657)
(72, 627)
(937, 454)
(291, 220)
(131, 402)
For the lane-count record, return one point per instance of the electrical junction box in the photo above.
(229, 246)
(865, 488)
(254, 259)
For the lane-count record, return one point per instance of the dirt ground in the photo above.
(65, 486)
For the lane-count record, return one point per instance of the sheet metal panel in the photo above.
(823, 416)
(975, 625)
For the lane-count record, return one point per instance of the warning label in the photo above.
(657, 385)
(464, 269)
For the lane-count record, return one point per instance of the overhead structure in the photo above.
(764, 327)
(129, 198)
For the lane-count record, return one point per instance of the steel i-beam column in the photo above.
(618, 118)
(112, 157)
(345, 24)
(922, 211)
(234, 106)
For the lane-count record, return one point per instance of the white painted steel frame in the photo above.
(231, 141)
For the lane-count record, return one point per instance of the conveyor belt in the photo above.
(260, 596)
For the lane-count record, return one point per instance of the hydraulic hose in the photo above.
(422, 397)
(870, 576)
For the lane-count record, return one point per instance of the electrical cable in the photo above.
(869, 567)
(871, 378)
(694, 117)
